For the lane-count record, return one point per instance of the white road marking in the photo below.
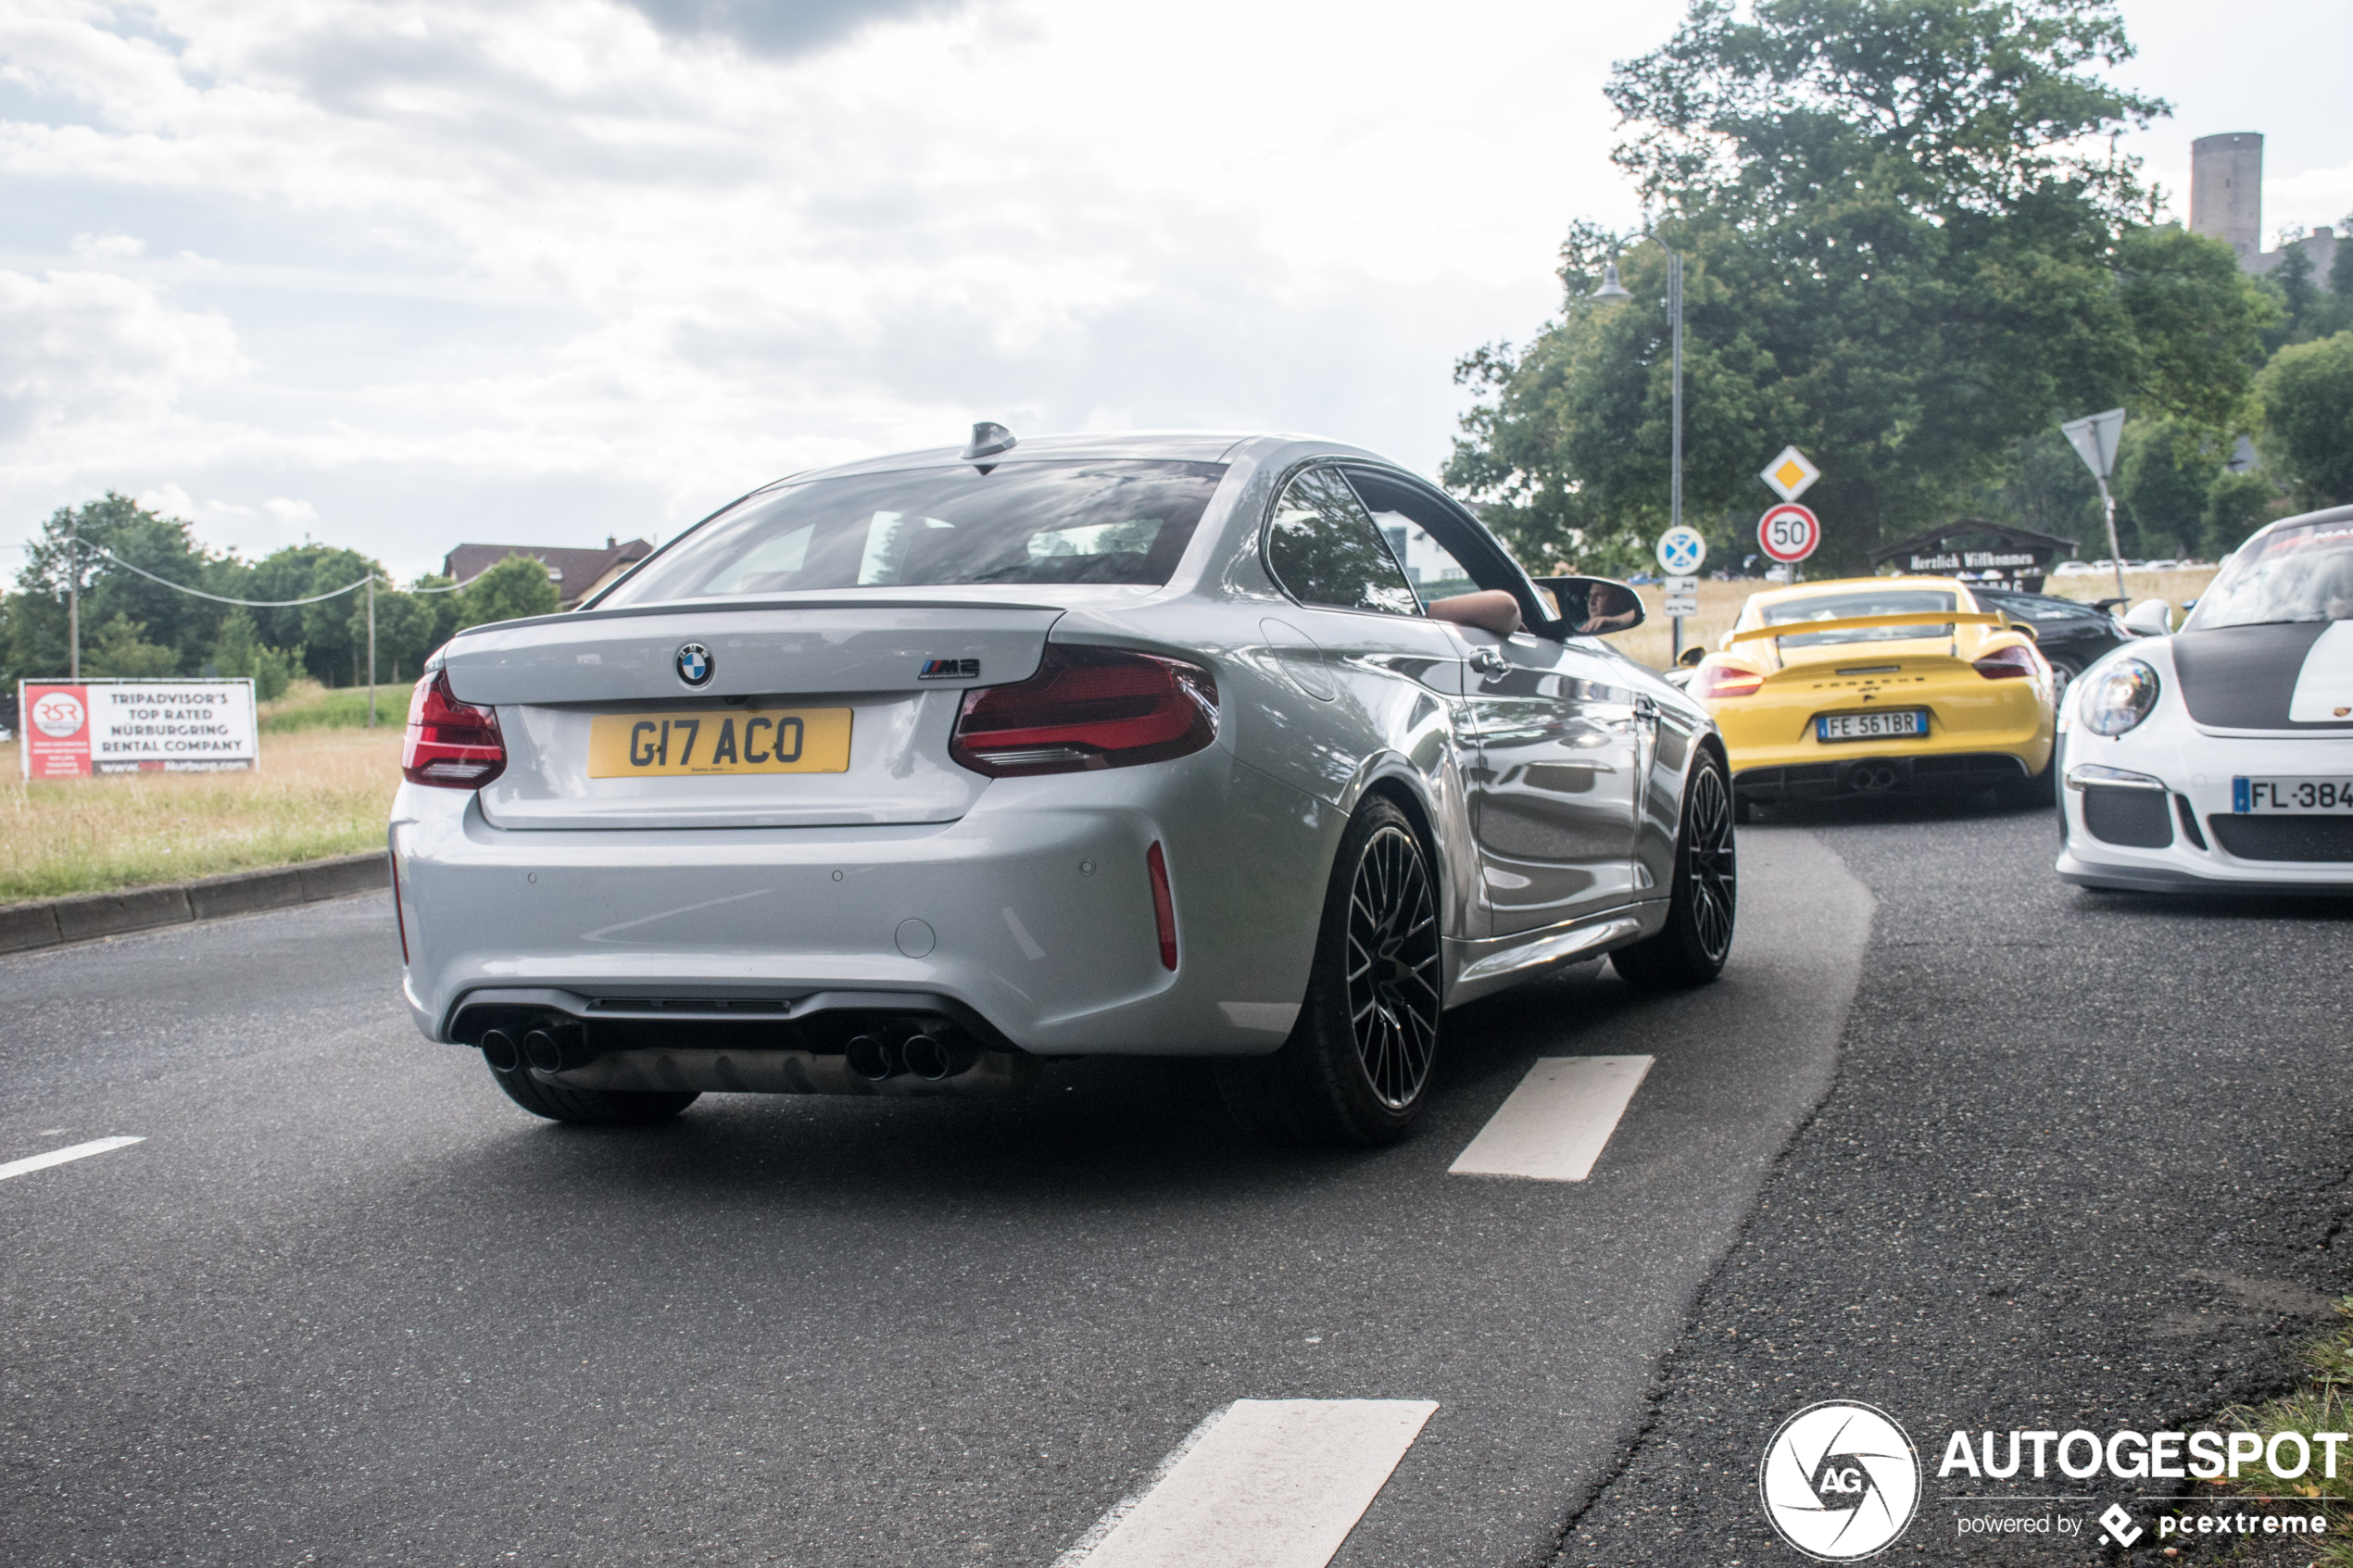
(1261, 1484)
(60, 1156)
(1555, 1125)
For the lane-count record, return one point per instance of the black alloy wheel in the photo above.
(1392, 967)
(1356, 1070)
(1692, 947)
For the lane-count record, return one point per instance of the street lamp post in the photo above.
(1610, 293)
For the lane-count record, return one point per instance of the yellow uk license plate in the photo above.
(792, 740)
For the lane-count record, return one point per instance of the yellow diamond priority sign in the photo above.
(1789, 474)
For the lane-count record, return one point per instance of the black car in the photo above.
(2069, 632)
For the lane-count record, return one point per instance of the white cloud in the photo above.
(566, 267)
(85, 352)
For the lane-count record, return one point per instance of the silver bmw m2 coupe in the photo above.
(905, 776)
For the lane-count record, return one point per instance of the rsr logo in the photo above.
(57, 715)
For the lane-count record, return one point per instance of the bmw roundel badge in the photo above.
(695, 664)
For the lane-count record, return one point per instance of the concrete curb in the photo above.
(46, 923)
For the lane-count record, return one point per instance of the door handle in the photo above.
(1489, 663)
(1646, 711)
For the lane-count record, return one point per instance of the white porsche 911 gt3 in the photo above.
(2221, 757)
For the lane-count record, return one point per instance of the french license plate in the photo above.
(1870, 726)
(2294, 797)
(791, 740)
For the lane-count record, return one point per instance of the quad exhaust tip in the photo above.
(499, 1049)
(933, 1057)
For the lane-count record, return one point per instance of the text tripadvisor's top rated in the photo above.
(1791, 474)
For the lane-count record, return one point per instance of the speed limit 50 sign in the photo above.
(1789, 533)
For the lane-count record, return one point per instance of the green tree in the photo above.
(2238, 504)
(120, 650)
(2165, 478)
(240, 652)
(404, 632)
(2307, 434)
(1899, 255)
(99, 537)
(516, 587)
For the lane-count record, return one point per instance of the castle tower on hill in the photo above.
(2226, 201)
(2226, 191)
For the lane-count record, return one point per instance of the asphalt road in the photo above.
(2086, 1165)
(2076, 1160)
(346, 1304)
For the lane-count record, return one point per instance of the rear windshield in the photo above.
(1020, 523)
(2297, 574)
(1845, 606)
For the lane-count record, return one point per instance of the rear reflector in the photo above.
(1087, 708)
(450, 745)
(2008, 664)
(399, 920)
(1163, 905)
(1718, 680)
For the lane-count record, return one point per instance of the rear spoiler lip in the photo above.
(1866, 622)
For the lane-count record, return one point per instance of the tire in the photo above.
(592, 1108)
(1355, 1072)
(1691, 949)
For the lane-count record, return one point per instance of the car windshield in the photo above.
(1076, 521)
(1852, 606)
(2295, 574)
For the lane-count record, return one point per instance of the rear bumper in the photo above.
(1030, 918)
(1944, 773)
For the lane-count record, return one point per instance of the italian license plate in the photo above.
(2293, 798)
(790, 740)
(1870, 726)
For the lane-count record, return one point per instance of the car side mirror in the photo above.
(1592, 606)
(2150, 618)
(1692, 656)
(2032, 635)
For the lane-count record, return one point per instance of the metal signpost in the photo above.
(1682, 552)
(2093, 438)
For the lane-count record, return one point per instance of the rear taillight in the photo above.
(1087, 708)
(1719, 680)
(2008, 664)
(450, 744)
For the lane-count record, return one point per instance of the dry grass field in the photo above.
(1719, 606)
(317, 793)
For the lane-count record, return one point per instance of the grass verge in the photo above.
(310, 705)
(317, 793)
(2320, 1404)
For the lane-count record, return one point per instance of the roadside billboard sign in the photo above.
(78, 729)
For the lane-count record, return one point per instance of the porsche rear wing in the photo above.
(1869, 623)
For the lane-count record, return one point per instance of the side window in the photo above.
(1324, 548)
(1430, 566)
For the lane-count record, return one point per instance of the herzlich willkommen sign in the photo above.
(73, 729)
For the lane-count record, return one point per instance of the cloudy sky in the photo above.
(403, 274)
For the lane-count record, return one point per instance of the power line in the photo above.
(277, 604)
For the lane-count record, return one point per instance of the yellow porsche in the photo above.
(1865, 685)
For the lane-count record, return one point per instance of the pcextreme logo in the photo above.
(1839, 1481)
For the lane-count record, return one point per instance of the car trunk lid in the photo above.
(898, 668)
